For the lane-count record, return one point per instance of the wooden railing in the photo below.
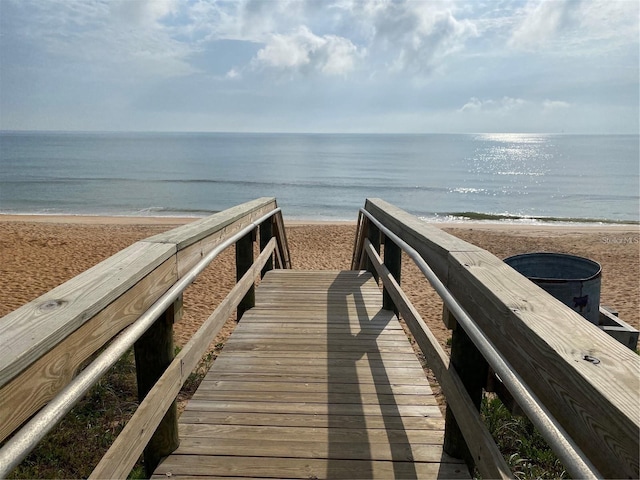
(578, 385)
(131, 298)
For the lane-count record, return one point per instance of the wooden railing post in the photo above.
(244, 260)
(373, 234)
(472, 369)
(393, 261)
(266, 232)
(154, 351)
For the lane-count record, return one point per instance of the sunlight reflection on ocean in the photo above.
(487, 177)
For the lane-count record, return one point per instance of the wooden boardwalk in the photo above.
(315, 382)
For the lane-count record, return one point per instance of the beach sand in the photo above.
(39, 253)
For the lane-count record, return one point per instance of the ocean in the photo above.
(528, 178)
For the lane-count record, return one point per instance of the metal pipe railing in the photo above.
(578, 465)
(26, 439)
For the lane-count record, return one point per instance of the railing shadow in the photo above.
(345, 349)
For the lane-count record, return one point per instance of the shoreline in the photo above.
(525, 228)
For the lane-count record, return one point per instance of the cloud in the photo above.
(576, 25)
(551, 105)
(124, 39)
(233, 74)
(470, 63)
(503, 105)
(416, 36)
(305, 52)
(543, 21)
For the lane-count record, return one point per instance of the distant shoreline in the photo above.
(467, 224)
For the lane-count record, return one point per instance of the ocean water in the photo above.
(497, 177)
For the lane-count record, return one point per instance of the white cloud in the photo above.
(304, 51)
(415, 35)
(551, 105)
(503, 105)
(394, 59)
(233, 74)
(473, 105)
(104, 39)
(543, 21)
(571, 25)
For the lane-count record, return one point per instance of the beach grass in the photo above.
(76, 445)
(526, 452)
(98, 419)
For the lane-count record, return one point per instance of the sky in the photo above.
(352, 66)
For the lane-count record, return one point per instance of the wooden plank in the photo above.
(154, 352)
(314, 408)
(546, 343)
(431, 242)
(123, 453)
(273, 433)
(472, 369)
(244, 260)
(322, 397)
(196, 239)
(26, 393)
(231, 361)
(397, 340)
(393, 262)
(303, 447)
(361, 423)
(283, 247)
(331, 371)
(266, 232)
(486, 455)
(266, 467)
(404, 355)
(370, 347)
(35, 328)
(410, 378)
(314, 329)
(258, 387)
(333, 397)
(198, 230)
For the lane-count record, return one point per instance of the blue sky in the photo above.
(320, 66)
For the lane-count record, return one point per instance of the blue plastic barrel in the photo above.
(575, 281)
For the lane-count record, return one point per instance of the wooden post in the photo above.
(266, 232)
(244, 260)
(154, 351)
(373, 234)
(472, 369)
(393, 261)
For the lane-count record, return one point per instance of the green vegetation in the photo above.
(76, 445)
(526, 452)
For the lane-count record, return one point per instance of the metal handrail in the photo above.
(578, 465)
(26, 439)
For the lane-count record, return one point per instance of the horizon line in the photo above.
(258, 132)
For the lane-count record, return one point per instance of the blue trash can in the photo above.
(575, 281)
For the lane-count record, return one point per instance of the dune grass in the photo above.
(525, 450)
(75, 446)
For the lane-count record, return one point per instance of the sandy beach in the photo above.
(37, 253)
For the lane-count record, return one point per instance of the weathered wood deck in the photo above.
(315, 382)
